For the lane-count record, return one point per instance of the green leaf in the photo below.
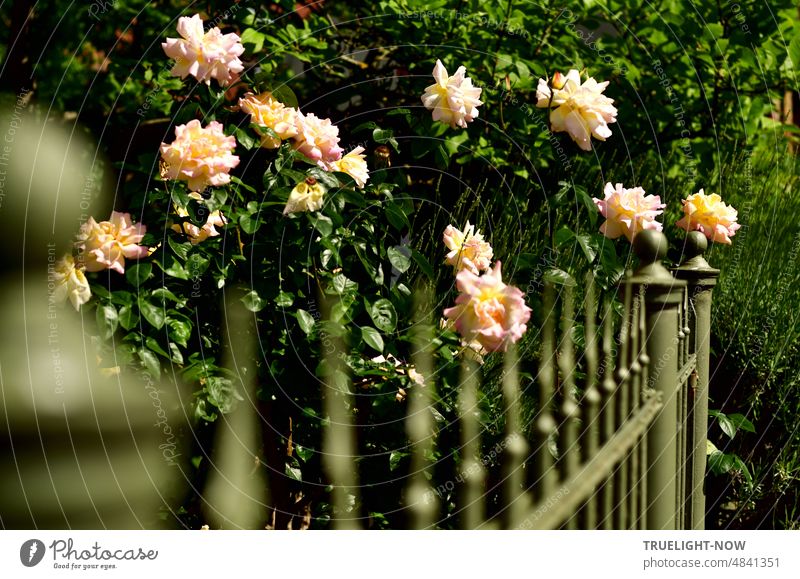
(399, 257)
(385, 136)
(344, 285)
(128, 318)
(303, 452)
(294, 473)
(153, 344)
(585, 241)
(739, 464)
(284, 299)
(726, 425)
(563, 235)
(396, 216)
(179, 330)
(423, 263)
(164, 294)
(173, 268)
(181, 249)
(107, 320)
(175, 353)
(253, 302)
(285, 95)
(372, 337)
(383, 315)
(321, 223)
(741, 423)
(394, 459)
(794, 51)
(306, 321)
(196, 265)
(150, 362)
(558, 277)
(152, 313)
(250, 223)
(138, 273)
(253, 37)
(245, 139)
(222, 394)
(721, 463)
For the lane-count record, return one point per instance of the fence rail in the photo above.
(630, 440)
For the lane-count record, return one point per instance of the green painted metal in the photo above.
(545, 426)
(701, 279)
(420, 426)
(473, 514)
(572, 491)
(516, 448)
(630, 452)
(662, 298)
(339, 440)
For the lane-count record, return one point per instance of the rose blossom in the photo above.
(487, 310)
(306, 196)
(265, 111)
(70, 282)
(354, 164)
(628, 211)
(204, 55)
(468, 250)
(201, 156)
(710, 216)
(317, 139)
(105, 245)
(453, 99)
(582, 110)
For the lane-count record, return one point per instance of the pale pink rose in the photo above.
(106, 244)
(582, 110)
(204, 55)
(308, 195)
(468, 250)
(266, 111)
(628, 211)
(201, 156)
(710, 216)
(317, 139)
(354, 164)
(453, 99)
(487, 310)
(198, 234)
(69, 282)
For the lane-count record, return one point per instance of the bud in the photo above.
(558, 81)
(382, 157)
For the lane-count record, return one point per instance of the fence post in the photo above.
(701, 279)
(663, 294)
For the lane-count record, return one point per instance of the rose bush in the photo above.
(320, 182)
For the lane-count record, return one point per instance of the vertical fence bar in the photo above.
(701, 278)
(474, 473)
(644, 361)
(635, 386)
(420, 426)
(236, 493)
(569, 408)
(591, 398)
(546, 476)
(608, 412)
(623, 375)
(339, 444)
(680, 448)
(662, 297)
(516, 449)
